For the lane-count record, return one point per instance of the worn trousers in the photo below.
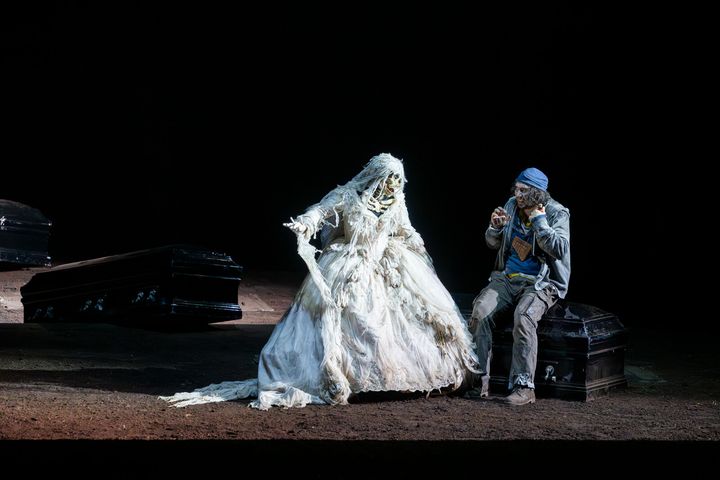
(493, 305)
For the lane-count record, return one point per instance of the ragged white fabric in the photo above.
(372, 315)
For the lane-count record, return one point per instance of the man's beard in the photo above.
(522, 202)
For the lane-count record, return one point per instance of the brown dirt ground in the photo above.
(101, 382)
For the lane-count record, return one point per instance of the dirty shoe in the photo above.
(521, 396)
(479, 392)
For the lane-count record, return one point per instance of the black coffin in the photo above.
(581, 351)
(24, 234)
(170, 285)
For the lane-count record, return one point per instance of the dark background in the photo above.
(132, 125)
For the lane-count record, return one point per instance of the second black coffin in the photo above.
(24, 235)
(175, 284)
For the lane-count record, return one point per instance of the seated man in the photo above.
(532, 236)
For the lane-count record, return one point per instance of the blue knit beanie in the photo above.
(533, 177)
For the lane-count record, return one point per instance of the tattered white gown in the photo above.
(371, 316)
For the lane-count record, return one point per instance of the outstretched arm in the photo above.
(310, 222)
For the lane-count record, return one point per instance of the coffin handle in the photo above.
(549, 371)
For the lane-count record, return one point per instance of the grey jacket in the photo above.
(551, 244)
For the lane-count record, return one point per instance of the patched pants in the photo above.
(492, 305)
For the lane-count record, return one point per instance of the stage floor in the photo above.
(101, 381)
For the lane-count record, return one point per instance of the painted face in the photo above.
(521, 192)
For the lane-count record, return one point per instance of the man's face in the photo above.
(521, 193)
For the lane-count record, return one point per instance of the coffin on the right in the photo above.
(581, 353)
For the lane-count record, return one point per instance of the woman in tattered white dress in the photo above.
(372, 314)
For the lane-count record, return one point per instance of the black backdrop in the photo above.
(133, 125)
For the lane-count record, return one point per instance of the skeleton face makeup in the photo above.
(389, 186)
(392, 184)
(384, 194)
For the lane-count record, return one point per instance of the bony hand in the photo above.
(498, 218)
(533, 212)
(298, 227)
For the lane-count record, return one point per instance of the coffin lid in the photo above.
(17, 212)
(574, 312)
(175, 252)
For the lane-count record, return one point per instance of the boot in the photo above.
(482, 391)
(521, 396)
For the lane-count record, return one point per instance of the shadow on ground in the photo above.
(120, 359)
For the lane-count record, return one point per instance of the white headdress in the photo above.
(376, 171)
